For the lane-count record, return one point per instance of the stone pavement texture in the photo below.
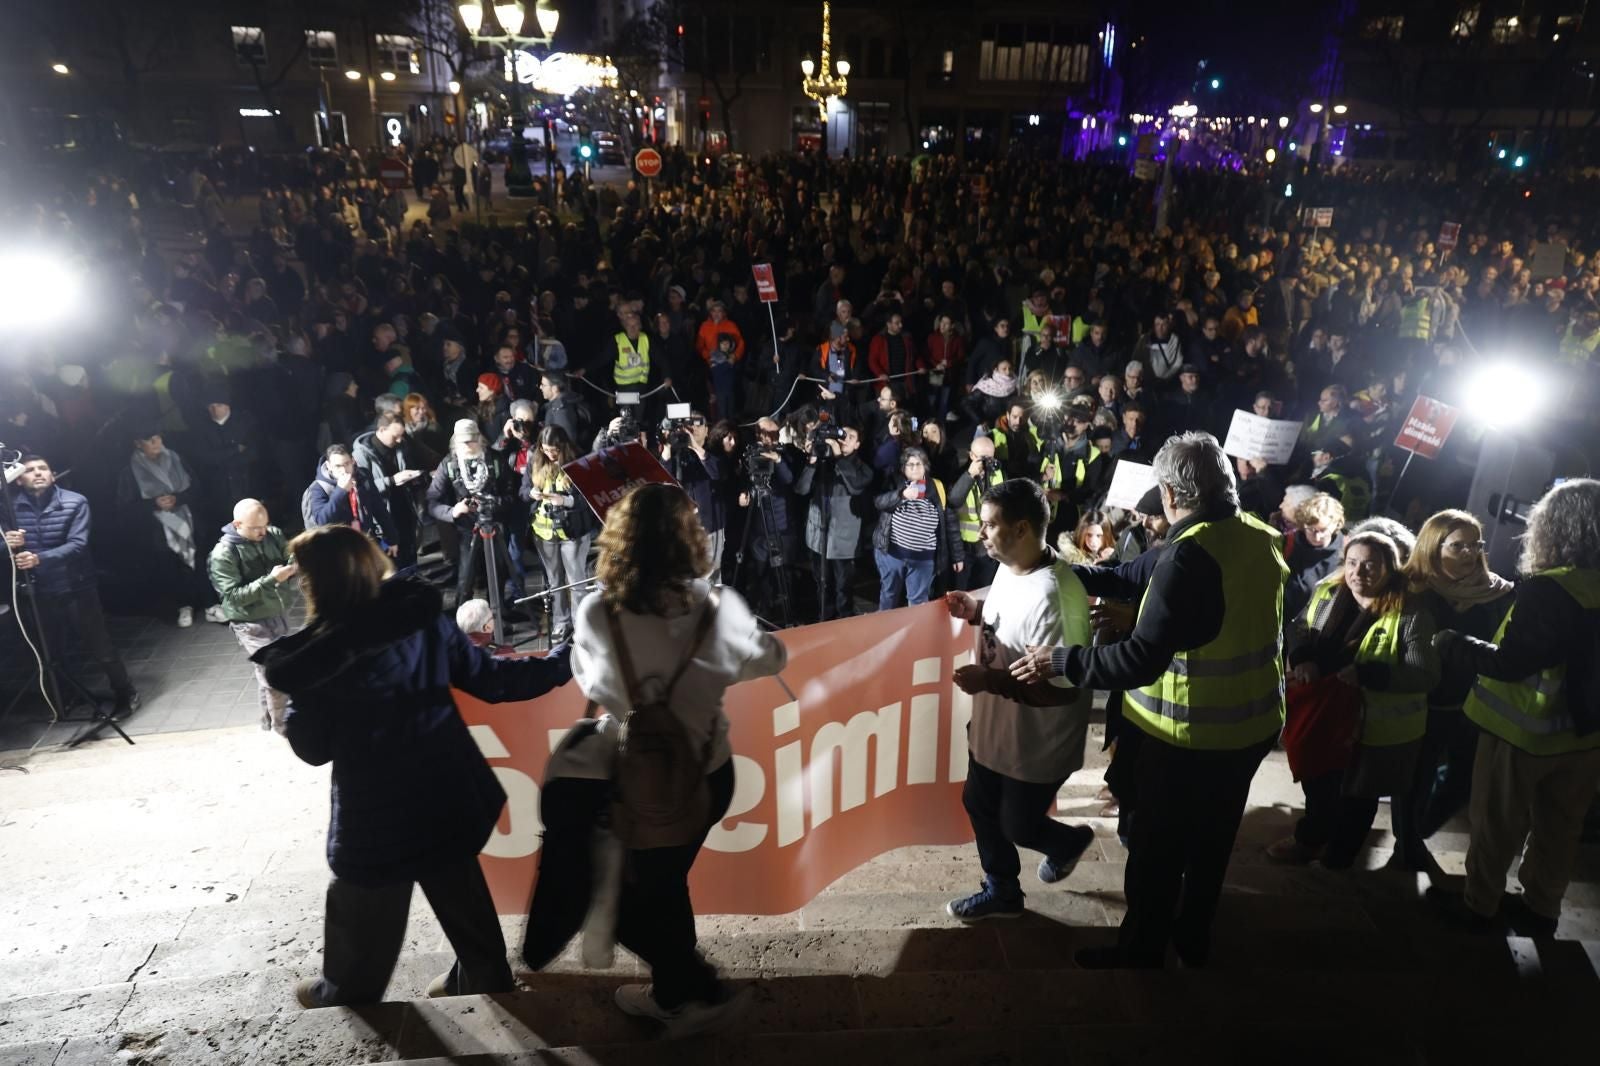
(158, 903)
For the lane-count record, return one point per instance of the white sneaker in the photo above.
(185, 617)
(689, 1019)
(214, 614)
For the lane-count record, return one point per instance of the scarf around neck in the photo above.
(1485, 586)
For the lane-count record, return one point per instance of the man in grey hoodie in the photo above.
(250, 567)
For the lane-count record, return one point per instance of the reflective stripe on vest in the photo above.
(633, 361)
(1388, 718)
(1227, 694)
(543, 527)
(1532, 714)
(967, 514)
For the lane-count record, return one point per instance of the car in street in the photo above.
(609, 150)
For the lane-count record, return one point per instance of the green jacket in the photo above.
(241, 572)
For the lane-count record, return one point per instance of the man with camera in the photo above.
(764, 501)
(51, 540)
(515, 446)
(982, 473)
(250, 569)
(384, 457)
(683, 452)
(467, 492)
(835, 469)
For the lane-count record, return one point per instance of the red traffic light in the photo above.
(680, 29)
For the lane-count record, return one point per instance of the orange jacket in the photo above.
(706, 341)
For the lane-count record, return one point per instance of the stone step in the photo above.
(1016, 1015)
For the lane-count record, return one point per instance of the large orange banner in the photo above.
(870, 757)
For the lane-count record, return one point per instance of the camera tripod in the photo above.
(488, 531)
(52, 677)
(760, 509)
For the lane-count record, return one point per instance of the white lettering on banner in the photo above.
(795, 777)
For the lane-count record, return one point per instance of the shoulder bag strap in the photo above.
(625, 660)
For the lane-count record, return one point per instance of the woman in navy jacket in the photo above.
(369, 683)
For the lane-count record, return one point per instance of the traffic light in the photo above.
(1216, 83)
(585, 151)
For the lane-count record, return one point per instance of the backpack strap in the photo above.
(625, 660)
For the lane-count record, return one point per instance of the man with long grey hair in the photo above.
(1203, 677)
(1537, 704)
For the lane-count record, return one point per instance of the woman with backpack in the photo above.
(657, 638)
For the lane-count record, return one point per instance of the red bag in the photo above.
(1322, 726)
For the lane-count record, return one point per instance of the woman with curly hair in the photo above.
(655, 631)
(1536, 702)
(1092, 543)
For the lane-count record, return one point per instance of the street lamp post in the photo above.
(825, 80)
(501, 24)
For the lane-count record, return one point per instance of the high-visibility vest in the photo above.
(172, 420)
(1228, 694)
(1002, 448)
(1416, 319)
(1576, 350)
(1050, 469)
(633, 361)
(1355, 495)
(1032, 323)
(1388, 718)
(543, 527)
(1532, 714)
(967, 512)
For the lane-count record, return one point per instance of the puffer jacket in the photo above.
(369, 691)
(241, 572)
(57, 526)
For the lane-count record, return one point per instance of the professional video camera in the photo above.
(1048, 412)
(757, 467)
(675, 427)
(817, 440)
(629, 426)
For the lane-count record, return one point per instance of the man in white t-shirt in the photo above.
(1025, 739)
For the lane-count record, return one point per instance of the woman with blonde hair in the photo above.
(1450, 571)
(368, 681)
(1536, 701)
(655, 631)
(1362, 627)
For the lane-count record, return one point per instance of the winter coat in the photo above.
(851, 481)
(370, 693)
(326, 504)
(1308, 566)
(947, 538)
(241, 572)
(57, 527)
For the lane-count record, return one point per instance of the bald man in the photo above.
(250, 570)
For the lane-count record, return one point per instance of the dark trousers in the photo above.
(655, 918)
(980, 569)
(1443, 780)
(470, 562)
(1007, 814)
(1190, 804)
(840, 578)
(367, 923)
(78, 614)
(1334, 821)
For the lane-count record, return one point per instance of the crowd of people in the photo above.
(935, 404)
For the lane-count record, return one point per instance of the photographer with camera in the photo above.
(835, 470)
(766, 497)
(1071, 468)
(562, 525)
(701, 473)
(517, 444)
(982, 473)
(467, 492)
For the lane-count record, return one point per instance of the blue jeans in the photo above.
(725, 387)
(914, 576)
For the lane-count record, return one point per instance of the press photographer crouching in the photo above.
(414, 801)
(50, 541)
(562, 526)
(658, 633)
(466, 493)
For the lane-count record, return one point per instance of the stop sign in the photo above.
(647, 162)
(393, 173)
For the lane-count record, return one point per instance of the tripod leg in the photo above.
(491, 567)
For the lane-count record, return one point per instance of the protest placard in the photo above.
(1269, 439)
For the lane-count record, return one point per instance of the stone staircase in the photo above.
(1308, 966)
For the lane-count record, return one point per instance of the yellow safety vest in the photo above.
(1388, 718)
(1578, 351)
(1532, 714)
(1416, 319)
(543, 527)
(633, 362)
(1031, 322)
(1050, 469)
(1355, 495)
(172, 420)
(1228, 694)
(1001, 448)
(967, 512)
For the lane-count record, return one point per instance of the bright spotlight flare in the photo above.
(1048, 402)
(1505, 394)
(42, 288)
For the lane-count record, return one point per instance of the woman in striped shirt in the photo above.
(917, 535)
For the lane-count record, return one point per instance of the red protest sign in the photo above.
(1427, 427)
(1449, 234)
(766, 287)
(607, 475)
(647, 162)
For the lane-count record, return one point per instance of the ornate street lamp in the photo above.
(825, 81)
(501, 24)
